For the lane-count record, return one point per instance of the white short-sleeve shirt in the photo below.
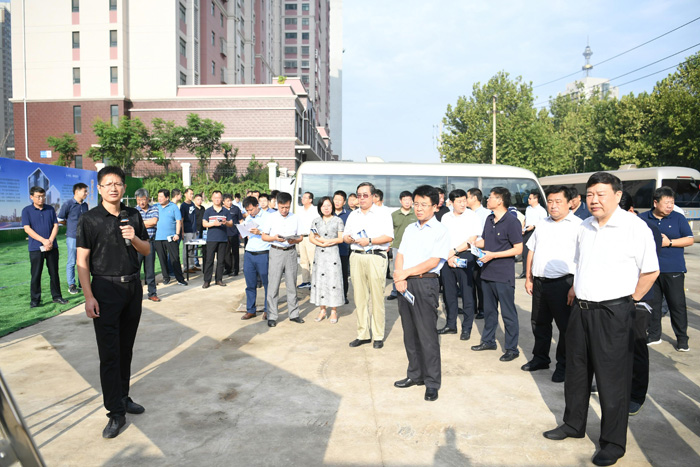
(420, 243)
(467, 224)
(553, 245)
(286, 226)
(376, 222)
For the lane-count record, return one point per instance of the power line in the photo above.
(622, 53)
(654, 63)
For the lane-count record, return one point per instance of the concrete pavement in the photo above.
(221, 391)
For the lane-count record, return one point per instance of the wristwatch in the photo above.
(455, 250)
(370, 241)
(670, 243)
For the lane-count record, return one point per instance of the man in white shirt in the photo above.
(279, 226)
(461, 224)
(306, 249)
(616, 265)
(534, 213)
(550, 274)
(474, 203)
(369, 231)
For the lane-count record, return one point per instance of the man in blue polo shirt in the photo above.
(41, 224)
(676, 234)
(69, 214)
(167, 228)
(255, 260)
(502, 240)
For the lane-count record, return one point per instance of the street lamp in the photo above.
(494, 112)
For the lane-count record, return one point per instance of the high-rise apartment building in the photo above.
(336, 77)
(7, 138)
(84, 59)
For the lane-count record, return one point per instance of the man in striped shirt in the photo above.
(149, 214)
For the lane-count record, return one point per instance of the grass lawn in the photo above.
(14, 287)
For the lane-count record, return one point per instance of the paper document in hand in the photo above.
(409, 296)
(290, 237)
(362, 234)
(244, 229)
(476, 251)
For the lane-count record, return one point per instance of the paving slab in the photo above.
(222, 391)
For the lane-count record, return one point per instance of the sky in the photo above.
(406, 60)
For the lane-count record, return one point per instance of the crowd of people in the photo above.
(595, 269)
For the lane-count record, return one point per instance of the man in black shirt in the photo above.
(109, 239)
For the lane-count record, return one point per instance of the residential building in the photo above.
(7, 137)
(336, 77)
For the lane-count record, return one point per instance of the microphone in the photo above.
(124, 220)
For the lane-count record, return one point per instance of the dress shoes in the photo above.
(347, 302)
(271, 323)
(297, 320)
(534, 366)
(479, 315)
(407, 383)
(359, 342)
(606, 457)
(60, 301)
(220, 283)
(559, 376)
(446, 330)
(154, 298)
(248, 315)
(205, 285)
(34, 305)
(560, 433)
(166, 281)
(378, 344)
(391, 297)
(509, 356)
(116, 422)
(483, 346)
(132, 407)
(465, 335)
(431, 394)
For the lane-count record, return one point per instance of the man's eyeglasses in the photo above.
(110, 185)
(363, 195)
(422, 205)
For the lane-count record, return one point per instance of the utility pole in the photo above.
(494, 112)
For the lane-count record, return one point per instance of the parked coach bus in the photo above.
(641, 183)
(324, 178)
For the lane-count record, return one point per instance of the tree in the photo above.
(202, 137)
(166, 138)
(226, 169)
(122, 145)
(66, 146)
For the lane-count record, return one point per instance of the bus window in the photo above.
(400, 183)
(687, 192)
(641, 191)
(464, 183)
(520, 189)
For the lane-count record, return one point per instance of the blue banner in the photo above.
(17, 177)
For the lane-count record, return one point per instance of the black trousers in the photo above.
(526, 237)
(165, 248)
(115, 330)
(36, 262)
(218, 249)
(459, 282)
(640, 368)
(149, 268)
(420, 337)
(672, 286)
(477, 291)
(232, 255)
(600, 342)
(549, 303)
(345, 268)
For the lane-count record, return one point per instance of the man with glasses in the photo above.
(41, 225)
(369, 231)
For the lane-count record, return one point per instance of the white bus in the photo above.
(324, 178)
(641, 183)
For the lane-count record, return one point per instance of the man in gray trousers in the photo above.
(282, 231)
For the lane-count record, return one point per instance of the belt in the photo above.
(128, 278)
(255, 253)
(587, 305)
(370, 252)
(304, 235)
(547, 279)
(425, 275)
(282, 248)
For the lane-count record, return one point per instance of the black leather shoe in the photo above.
(446, 330)
(479, 315)
(60, 301)
(132, 407)
(509, 356)
(532, 365)
(359, 342)
(34, 305)
(205, 285)
(431, 394)
(558, 376)
(116, 422)
(605, 457)
(560, 433)
(220, 283)
(166, 281)
(378, 344)
(482, 346)
(465, 335)
(391, 297)
(407, 383)
(297, 320)
(271, 323)
(347, 302)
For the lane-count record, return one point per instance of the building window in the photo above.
(76, 75)
(212, 8)
(290, 21)
(221, 19)
(223, 73)
(305, 36)
(305, 79)
(113, 38)
(183, 13)
(78, 162)
(213, 68)
(183, 79)
(77, 120)
(213, 38)
(113, 77)
(290, 50)
(305, 64)
(112, 5)
(183, 47)
(305, 21)
(114, 114)
(304, 7)
(305, 50)
(76, 40)
(290, 63)
(290, 6)
(290, 35)
(75, 5)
